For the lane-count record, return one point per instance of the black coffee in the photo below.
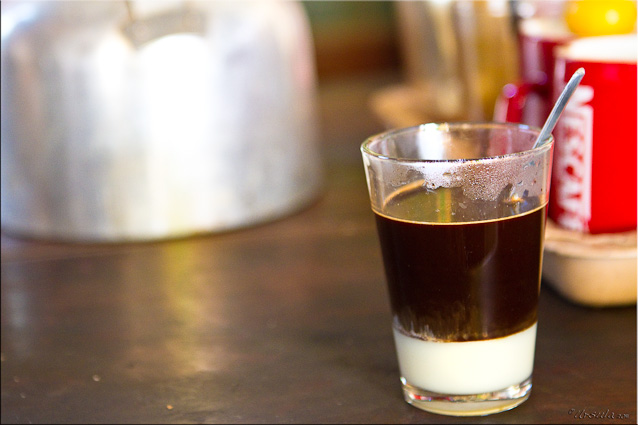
(464, 281)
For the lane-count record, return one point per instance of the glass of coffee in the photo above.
(460, 211)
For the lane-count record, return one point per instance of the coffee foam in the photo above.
(484, 179)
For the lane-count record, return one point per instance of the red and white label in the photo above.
(572, 172)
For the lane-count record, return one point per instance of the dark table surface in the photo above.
(287, 321)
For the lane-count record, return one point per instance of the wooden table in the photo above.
(283, 322)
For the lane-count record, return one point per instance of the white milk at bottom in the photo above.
(472, 367)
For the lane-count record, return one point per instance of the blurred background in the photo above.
(354, 37)
(139, 120)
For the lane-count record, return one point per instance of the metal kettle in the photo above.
(142, 120)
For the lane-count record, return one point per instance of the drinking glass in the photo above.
(460, 211)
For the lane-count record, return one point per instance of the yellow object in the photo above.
(600, 17)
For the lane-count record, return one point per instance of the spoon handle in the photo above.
(559, 106)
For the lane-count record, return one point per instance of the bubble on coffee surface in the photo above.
(482, 180)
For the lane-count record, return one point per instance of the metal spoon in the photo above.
(559, 106)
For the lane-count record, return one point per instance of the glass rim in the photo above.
(365, 146)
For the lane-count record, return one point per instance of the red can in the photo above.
(594, 173)
(529, 100)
